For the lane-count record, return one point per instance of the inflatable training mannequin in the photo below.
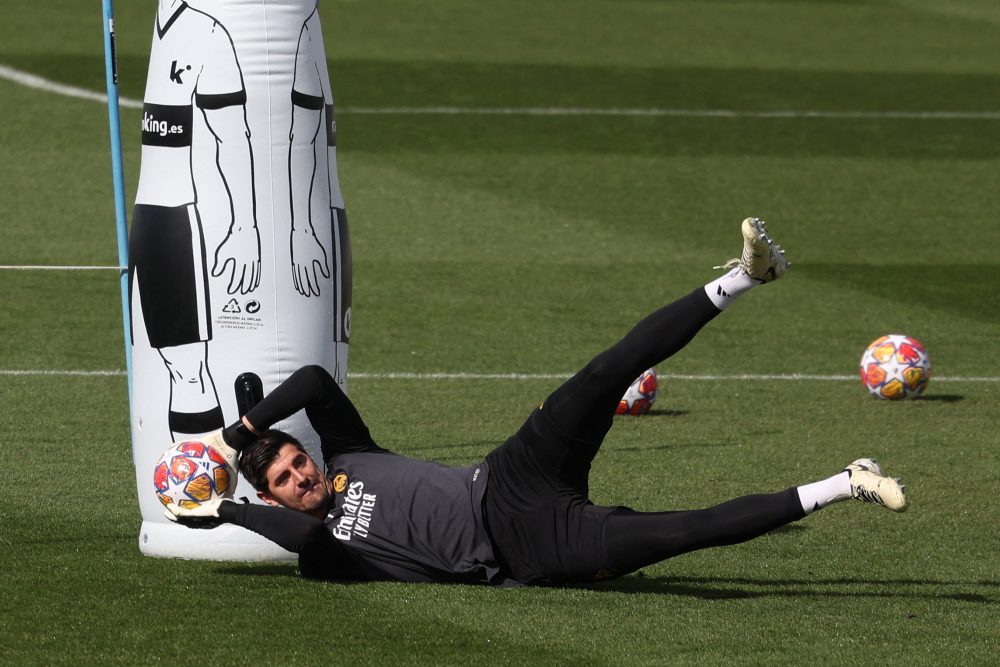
(239, 252)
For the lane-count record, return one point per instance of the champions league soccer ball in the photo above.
(191, 472)
(895, 367)
(640, 395)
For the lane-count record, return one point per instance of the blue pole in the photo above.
(114, 122)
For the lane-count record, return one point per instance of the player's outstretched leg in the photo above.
(584, 406)
(638, 539)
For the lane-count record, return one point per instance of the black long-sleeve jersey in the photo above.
(392, 517)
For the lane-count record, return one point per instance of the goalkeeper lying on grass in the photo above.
(521, 516)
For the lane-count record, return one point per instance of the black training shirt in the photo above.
(392, 517)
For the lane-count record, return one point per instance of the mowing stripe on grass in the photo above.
(47, 85)
(390, 375)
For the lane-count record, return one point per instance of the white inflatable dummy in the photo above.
(239, 253)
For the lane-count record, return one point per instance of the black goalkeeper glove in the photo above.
(205, 515)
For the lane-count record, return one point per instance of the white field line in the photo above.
(40, 83)
(64, 373)
(667, 112)
(61, 268)
(363, 375)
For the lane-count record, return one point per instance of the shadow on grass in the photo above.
(654, 413)
(788, 528)
(261, 570)
(941, 398)
(729, 588)
(670, 446)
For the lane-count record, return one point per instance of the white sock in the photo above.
(724, 289)
(820, 494)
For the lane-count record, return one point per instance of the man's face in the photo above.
(295, 481)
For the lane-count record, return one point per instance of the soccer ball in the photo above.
(191, 472)
(640, 395)
(895, 367)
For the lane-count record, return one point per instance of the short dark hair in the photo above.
(258, 457)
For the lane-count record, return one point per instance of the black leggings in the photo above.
(637, 539)
(583, 409)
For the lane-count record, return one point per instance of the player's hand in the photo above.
(205, 515)
(308, 261)
(238, 256)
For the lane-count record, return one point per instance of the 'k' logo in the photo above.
(175, 74)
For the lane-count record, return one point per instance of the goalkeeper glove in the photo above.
(217, 441)
(205, 515)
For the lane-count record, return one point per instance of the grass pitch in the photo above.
(489, 243)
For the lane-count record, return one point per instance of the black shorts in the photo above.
(167, 265)
(544, 528)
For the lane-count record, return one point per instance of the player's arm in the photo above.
(320, 555)
(331, 413)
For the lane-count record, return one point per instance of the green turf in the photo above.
(514, 244)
